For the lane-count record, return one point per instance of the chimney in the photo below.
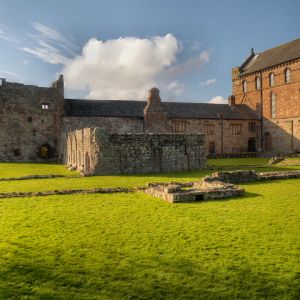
(153, 97)
(231, 100)
(155, 117)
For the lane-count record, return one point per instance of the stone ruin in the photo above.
(94, 151)
(219, 185)
(198, 192)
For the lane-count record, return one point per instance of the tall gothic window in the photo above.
(273, 105)
(287, 75)
(271, 79)
(244, 86)
(258, 83)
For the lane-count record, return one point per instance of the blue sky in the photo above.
(185, 47)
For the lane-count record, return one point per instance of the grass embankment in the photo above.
(134, 246)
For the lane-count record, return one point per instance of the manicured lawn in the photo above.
(24, 169)
(131, 181)
(134, 246)
(226, 162)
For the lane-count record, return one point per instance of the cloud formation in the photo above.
(218, 100)
(50, 45)
(208, 82)
(123, 68)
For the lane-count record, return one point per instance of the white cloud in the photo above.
(218, 100)
(50, 45)
(208, 82)
(124, 68)
(173, 89)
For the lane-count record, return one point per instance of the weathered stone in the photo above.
(275, 160)
(98, 152)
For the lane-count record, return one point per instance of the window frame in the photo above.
(258, 83)
(287, 75)
(235, 129)
(271, 79)
(245, 86)
(273, 105)
(45, 106)
(209, 129)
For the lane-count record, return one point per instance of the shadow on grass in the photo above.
(144, 278)
(246, 195)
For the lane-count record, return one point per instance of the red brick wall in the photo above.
(285, 127)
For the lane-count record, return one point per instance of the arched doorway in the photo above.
(268, 141)
(46, 151)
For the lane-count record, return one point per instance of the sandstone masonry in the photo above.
(109, 153)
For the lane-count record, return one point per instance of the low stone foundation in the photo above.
(217, 186)
(250, 176)
(200, 191)
(67, 192)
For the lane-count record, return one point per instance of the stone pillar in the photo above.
(155, 117)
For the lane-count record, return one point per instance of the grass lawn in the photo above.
(25, 169)
(134, 246)
(228, 162)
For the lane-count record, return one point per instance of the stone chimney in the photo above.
(231, 100)
(155, 117)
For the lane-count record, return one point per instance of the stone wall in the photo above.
(221, 135)
(95, 152)
(30, 120)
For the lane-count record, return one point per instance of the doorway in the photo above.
(252, 145)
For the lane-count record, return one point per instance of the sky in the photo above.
(119, 49)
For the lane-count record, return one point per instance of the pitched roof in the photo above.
(125, 108)
(272, 57)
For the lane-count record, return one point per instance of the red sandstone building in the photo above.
(269, 83)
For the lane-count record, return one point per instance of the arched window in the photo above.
(244, 86)
(273, 105)
(271, 79)
(258, 83)
(287, 75)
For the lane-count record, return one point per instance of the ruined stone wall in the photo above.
(281, 131)
(81, 150)
(30, 118)
(96, 152)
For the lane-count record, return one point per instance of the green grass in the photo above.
(228, 162)
(25, 169)
(134, 246)
(36, 185)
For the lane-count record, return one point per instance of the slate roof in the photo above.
(272, 57)
(124, 108)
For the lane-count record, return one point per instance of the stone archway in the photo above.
(268, 141)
